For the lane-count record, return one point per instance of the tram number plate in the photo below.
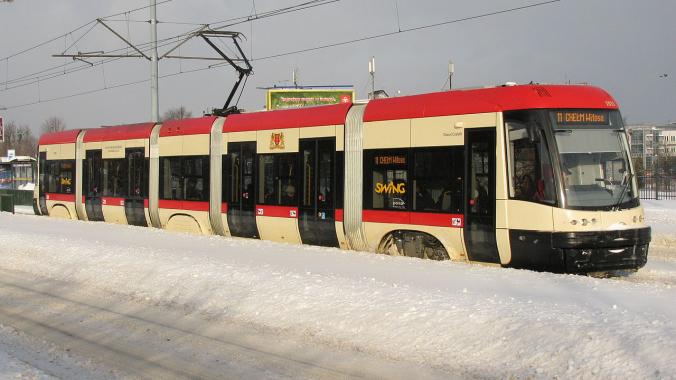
(259, 211)
(292, 213)
(456, 222)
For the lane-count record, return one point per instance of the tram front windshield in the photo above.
(594, 159)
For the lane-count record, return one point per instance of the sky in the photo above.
(623, 46)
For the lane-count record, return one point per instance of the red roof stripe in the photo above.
(290, 118)
(63, 137)
(119, 132)
(195, 126)
(494, 99)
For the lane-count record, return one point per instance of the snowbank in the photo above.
(465, 319)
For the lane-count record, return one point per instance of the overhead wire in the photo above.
(73, 31)
(325, 46)
(146, 45)
(382, 35)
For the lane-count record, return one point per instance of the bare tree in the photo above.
(176, 113)
(19, 138)
(53, 124)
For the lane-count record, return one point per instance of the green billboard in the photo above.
(297, 98)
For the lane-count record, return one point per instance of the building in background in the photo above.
(653, 145)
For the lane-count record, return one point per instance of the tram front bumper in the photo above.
(580, 252)
(603, 250)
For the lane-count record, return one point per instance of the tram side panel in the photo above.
(238, 179)
(184, 182)
(340, 186)
(115, 181)
(59, 176)
(282, 175)
(415, 179)
(320, 181)
(277, 191)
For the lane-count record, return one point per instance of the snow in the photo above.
(471, 320)
(10, 366)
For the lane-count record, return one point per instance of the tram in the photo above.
(522, 176)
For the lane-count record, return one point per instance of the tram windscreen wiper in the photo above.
(626, 182)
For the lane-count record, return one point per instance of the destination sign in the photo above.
(390, 160)
(582, 117)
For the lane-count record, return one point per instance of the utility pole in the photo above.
(241, 65)
(451, 69)
(154, 80)
(372, 71)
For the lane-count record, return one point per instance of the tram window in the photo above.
(184, 178)
(438, 179)
(308, 170)
(339, 179)
(386, 180)
(92, 174)
(277, 179)
(238, 180)
(325, 178)
(531, 176)
(60, 176)
(115, 179)
(230, 194)
(42, 169)
(196, 178)
(51, 174)
(137, 168)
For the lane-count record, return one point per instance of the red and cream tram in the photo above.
(530, 176)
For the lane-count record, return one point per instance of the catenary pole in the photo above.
(154, 80)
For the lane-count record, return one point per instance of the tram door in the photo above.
(480, 195)
(42, 188)
(137, 170)
(317, 213)
(93, 185)
(239, 189)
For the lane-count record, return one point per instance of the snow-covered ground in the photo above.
(10, 366)
(470, 321)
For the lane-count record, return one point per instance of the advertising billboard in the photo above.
(298, 98)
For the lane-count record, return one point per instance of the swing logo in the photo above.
(390, 188)
(277, 141)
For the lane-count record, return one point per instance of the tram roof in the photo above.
(119, 132)
(289, 118)
(495, 99)
(182, 127)
(63, 137)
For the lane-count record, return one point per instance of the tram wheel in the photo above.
(413, 244)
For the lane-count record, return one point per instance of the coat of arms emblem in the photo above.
(277, 141)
